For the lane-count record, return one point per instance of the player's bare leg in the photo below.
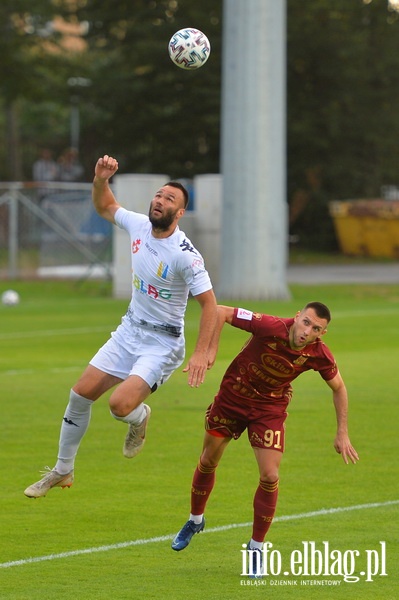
(127, 405)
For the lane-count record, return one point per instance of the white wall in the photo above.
(208, 215)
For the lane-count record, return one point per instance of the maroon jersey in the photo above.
(266, 366)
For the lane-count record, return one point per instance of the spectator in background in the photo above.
(69, 168)
(45, 168)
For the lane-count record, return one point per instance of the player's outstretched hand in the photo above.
(344, 447)
(106, 167)
(196, 368)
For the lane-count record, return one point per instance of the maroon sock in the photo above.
(203, 482)
(265, 501)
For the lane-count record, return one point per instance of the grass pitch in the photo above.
(109, 535)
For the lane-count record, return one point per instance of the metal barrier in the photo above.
(52, 230)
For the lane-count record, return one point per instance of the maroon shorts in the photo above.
(229, 416)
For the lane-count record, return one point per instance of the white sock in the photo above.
(74, 426)
(253, 544)
(137, 415)
(196, 518)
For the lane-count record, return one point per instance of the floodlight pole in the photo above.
(253, 155)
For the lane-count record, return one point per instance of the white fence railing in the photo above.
(52, 230)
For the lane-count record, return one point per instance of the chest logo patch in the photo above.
(163, 270)
(136, 246)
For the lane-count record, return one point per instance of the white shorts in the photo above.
(133, 350)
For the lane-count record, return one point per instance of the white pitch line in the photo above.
(44, 370)
(17, 335)
(164, 538)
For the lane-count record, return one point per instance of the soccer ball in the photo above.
(10, 298)
(189, 48)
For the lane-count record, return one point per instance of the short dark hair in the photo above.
(179, 186)
(321, 310)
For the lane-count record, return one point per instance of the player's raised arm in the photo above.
(103, 199)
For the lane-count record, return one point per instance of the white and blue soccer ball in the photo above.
(189, 48)
(10, 298)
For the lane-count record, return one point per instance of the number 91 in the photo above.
(272, 439)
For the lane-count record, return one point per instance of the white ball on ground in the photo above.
(10, 298)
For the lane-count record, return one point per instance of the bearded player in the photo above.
(148, 345)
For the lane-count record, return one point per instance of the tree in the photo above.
(343, 125)
(342, 78)
(153, 116)
(26, 36)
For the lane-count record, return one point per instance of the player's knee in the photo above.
(269, 475)
(120, 406)
(209, 463)
(209, 460)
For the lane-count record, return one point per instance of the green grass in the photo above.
(48, 339)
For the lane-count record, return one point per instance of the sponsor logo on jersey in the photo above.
(154, 252)
(136, 246)
(197, 262)
(300, 360)
(150, 290)
(244, 314)
(186, 247)
(162, 270)
(277, 365)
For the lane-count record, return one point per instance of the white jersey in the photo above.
(164, 271)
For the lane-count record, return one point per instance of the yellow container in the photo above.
(367, 227)
(349, 229)
(378, 238)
